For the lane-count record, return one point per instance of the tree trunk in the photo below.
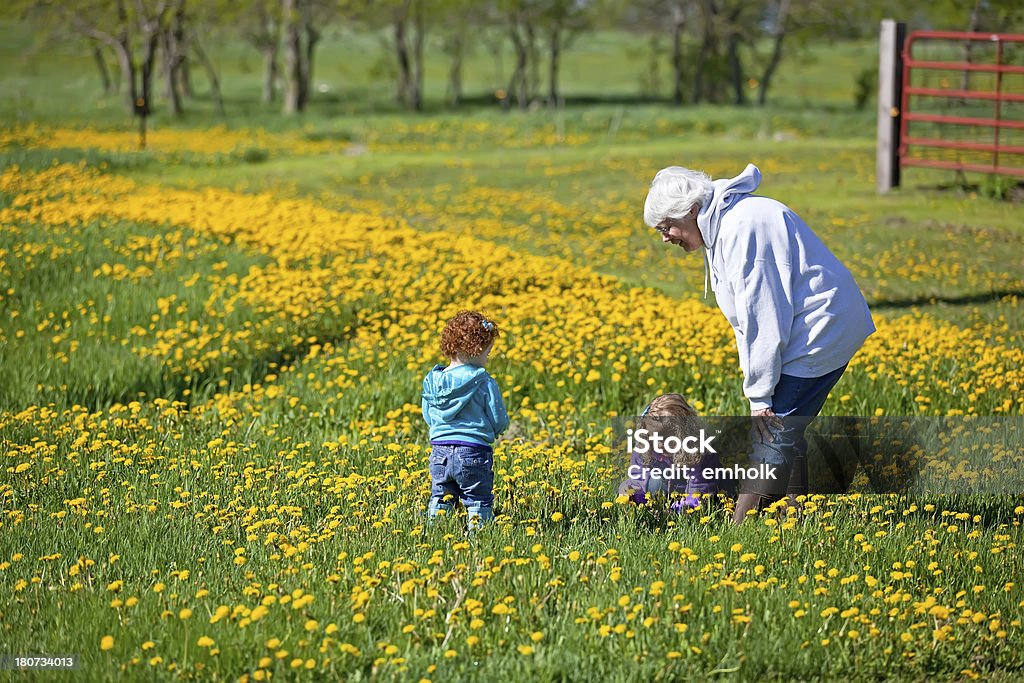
(554, 65)
(739, 79)
(419, 36)
(773, 62)
(312, 38)
(101, 66)
(170, 67)
(736, 70)
(138, 94)
(534, 63)
(402, 53)
(126, 58)
(128, 69)
(972, 26)
(456, 46)
(708, 47)
(118, 77)
(185, 78)
(148, 65)
(182, 73)
(211, 75)
(293, 101)
(677, 54)
(144, 104)
(171, 40)
(269, 73)
(518, 83)
(265, 37)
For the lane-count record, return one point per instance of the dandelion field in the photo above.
(214, 464)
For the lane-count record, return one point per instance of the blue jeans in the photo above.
(466, 474)
(797, 400)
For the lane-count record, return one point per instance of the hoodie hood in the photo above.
(726, 192)
(449, 390)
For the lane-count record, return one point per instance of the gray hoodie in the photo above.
(794, 308)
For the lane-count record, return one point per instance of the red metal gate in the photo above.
(963, 102)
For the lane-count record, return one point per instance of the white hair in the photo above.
(674, 192)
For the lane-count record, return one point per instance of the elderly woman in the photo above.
(796, 311)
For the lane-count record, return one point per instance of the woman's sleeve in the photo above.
(761, 280)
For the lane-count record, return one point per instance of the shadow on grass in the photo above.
(199, 387)
(965, 300)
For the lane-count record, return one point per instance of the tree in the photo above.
(260, 22)
(783, 22)
(295, 88)
(101, 65)
(734, 36)
(173, 43)
(679, 21)
(562, 21)
(457, 19)
(303, 22)
(521, 17)
(405, 23)
(778, 34)
(406, 15)
(705, 83)
(132, 32)
(203, 16)
(678, 12)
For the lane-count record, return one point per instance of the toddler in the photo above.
(463, 408)
(667, 415)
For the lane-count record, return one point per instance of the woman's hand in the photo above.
(766, 423)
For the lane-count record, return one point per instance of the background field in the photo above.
(213, 459)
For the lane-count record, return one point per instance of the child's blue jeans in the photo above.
(463, 473)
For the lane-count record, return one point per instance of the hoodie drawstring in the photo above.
(705, 273)
(724, 195)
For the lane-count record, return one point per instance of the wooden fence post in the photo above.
(890, 93)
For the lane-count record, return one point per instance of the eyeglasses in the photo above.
(662, 228)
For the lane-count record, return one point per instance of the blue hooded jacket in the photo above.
(463, 403)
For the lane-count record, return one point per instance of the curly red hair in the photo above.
(467, 334)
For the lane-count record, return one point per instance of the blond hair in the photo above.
(670, 405)
(653, 419)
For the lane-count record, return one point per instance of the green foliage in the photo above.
(866, 87)
(255, 155)
(1000, 186)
